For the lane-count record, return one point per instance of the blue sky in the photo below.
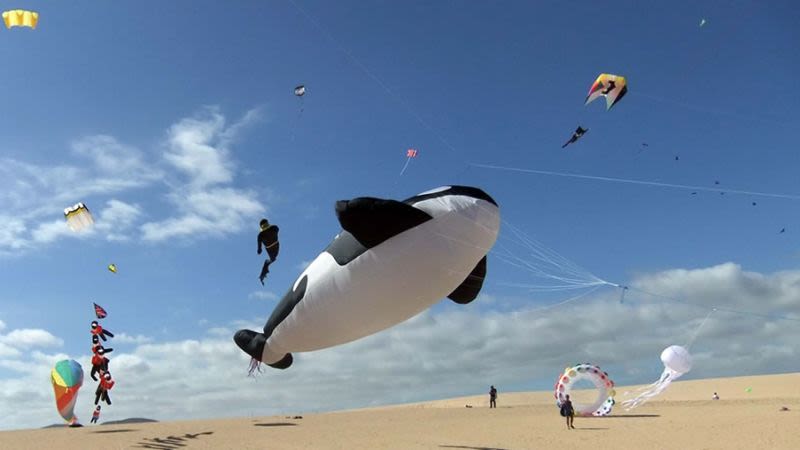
(176, 123)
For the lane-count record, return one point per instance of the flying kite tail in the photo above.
(255, 366)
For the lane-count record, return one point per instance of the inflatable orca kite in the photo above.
(391, 261)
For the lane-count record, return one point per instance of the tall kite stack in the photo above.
(99, 360)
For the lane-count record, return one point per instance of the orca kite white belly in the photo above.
(392, 261)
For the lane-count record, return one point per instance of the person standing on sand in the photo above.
(568, 411)
(492, 397)
(715, 397)
(96, 414)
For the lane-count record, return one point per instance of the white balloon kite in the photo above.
(677, 361)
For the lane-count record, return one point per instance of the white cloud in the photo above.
(198, 147)
(40, 190)
(220, 332)
(213, 212)
(39, 193)
(53, 230)
(27, 338)
(111, 222)
(116, 219)
(128, 339)
(456, 351)
(119, 214)
(263, 295)
(192, 150)
(12, 234)
(112, 157)
(7, 350)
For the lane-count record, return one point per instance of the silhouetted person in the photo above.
(568, 411)
(99, 363)
(492, 397)
(96, 346)
(269, 238)
(98, 330)
(105, 385)
(579, 132)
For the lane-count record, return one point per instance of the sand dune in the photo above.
(684, 417)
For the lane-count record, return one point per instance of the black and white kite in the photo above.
(391, 261)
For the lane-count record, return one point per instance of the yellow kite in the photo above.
(612, 87)
(20, 18)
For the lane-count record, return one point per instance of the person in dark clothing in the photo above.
(568, 411)
(492, 397)
(105, 385)
(579, 132)
(96, 345)
(99, 363)
(98, 330)
(269, 238)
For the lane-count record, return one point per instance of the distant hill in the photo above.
(110, 422)
(128, 421)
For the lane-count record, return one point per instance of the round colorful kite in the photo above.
(605, 389)
(67, 378)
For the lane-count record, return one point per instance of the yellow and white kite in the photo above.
(78, 217)
(20, 18)
(612, 87)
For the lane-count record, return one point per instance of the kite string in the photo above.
(697, 330)
(408, 160)
(297, 119)
(547, 263)
(718, 308)
(569, 300)
(549, 257)
(640, 182)
(771, 121)
(371, 75)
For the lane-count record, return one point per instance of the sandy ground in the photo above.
(684, 417)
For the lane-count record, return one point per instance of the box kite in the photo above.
(20, 18)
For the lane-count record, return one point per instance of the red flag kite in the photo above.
(99, 311)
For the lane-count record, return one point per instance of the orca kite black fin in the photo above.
(284, 363)
(374, 220)
(471, 286)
